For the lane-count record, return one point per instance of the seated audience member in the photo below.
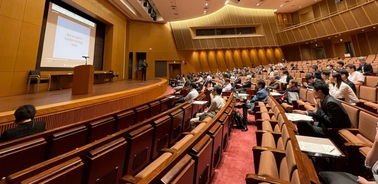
(340, 65)
(328, 112)
(193, 93)
(227, 85)
(340, 90)
(315, 72)
(217, 102)
(291, 87)
(310, 80)
(325, 75)
(25, 125)
(371, 162)
(285, 77)
(247, 83)
(276, 76)
(330, 68)
(364, 67)
(356, 77)
(261, 95)
(274, 84)
(344, 75)
(237, 80)
(294, 67)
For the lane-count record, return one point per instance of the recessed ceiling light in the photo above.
(274, 10)
(258, 4)
(225, 3)
(281, 5)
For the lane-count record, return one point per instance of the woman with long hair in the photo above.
(340, 90)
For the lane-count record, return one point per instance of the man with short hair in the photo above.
(217, 102)
(310, 81)
(144, 67)
(273, 85)
(261, 95)
(364, 67)
(328, 111)
(315, 72)
(344, 75)
(339, 64)
(25, 124)
(325, 75)
(356, 77)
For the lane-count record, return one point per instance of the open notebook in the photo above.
(298, 117)
(318, 146)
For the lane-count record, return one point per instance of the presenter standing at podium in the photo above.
(144, 70)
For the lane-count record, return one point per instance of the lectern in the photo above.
(83, 80)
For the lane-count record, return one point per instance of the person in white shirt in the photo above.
(200, 79)
(341, 90)
(217, 103)
(356, 77)
(193, 93)
(227, 85)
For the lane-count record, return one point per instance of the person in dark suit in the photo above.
(315, 72)
(144, 70)
(25, 125)
(247, 83)
(364, 67)
(329, 112)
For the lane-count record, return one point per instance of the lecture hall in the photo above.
(189, 91)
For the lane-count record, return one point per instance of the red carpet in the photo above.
(237, 161)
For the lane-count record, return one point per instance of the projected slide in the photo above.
(68, 37)
(71, 40)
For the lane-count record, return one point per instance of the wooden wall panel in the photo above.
(312, 31)
(304, 33)
(231, 16)
(328, 49)
(373, 41)
(290, 36)
(340, 49)
(361, 17)
(10, 38)
(331, 6)
(371, 11)
(363, 43)
(297, 35)
(291, 53)
(328, 26)
(349, 20)
(323, 8)
(356, 47)
(316, 10)
(338, 23)
(305, 52)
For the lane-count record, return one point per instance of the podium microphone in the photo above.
(86, 59)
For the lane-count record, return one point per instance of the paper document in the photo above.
(298, 117)
(275, 94)
(317, 145)
(199, 102)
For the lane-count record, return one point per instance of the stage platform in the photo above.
(105, 98)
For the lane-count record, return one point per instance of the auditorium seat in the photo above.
(21, 156)
(125, 119)
(274, 163)
(155, 108)
(70, 171)
(188, 108)
(181, 142)
(162, 134)
(177, 122)
(272, 139)
(182, 172)
(201, 153)
(142, 113)
(67, 140)
(105, 164)
(164, 104)
(101, 128)
(371, 81)
(216, 133)
(224, 120)
(353, 114)
(146, 171)
(139, 149)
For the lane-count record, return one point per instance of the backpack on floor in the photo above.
(239, 120)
